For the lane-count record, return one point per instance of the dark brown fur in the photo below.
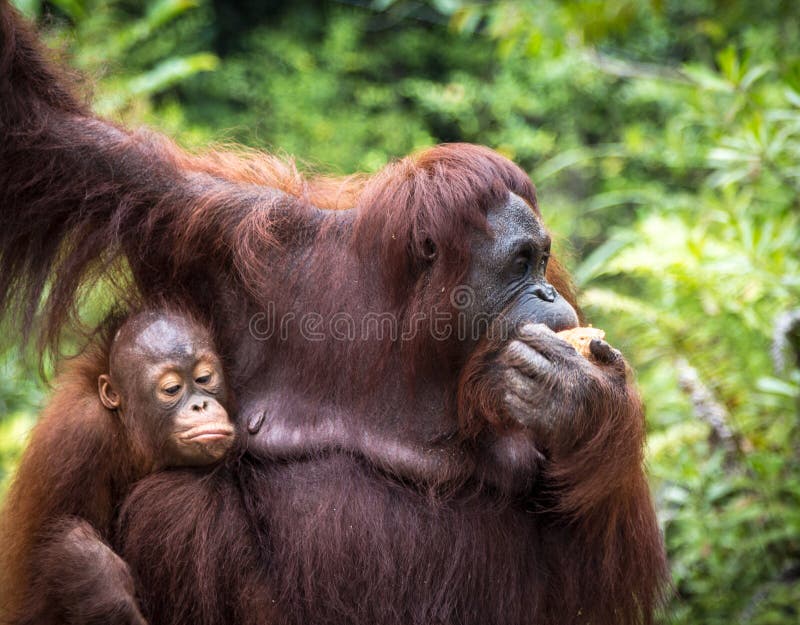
(331, 532)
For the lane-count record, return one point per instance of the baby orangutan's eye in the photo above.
(203, 379)
(172, 390)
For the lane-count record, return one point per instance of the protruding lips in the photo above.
(557, 314)
(206, 433)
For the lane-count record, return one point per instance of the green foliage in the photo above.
(665, 142)
(139, 51)
(19, 395)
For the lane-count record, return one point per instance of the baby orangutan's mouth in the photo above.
(206, 433)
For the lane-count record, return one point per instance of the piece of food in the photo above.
(580, 338)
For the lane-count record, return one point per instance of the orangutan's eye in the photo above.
(522, 263)
(543, 263)
(172, 390)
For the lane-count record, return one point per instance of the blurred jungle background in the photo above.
(664, 139)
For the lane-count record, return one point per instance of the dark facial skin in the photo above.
(541, 374)
(507, 273)
(165, 377)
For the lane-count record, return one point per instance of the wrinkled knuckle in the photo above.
(529, 332)
(517, 355)
(516, 384)
(512, 403)
(506, 354)
(516, 349)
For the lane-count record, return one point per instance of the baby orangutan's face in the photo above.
(166, 379)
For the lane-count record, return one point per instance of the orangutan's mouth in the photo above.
(206, 434)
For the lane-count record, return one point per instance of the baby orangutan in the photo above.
(166, 384)
(161, 404)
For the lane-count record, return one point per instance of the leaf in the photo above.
(728, 62)
(170, 72)
(775, 386)
(707, 79)
(571, 158)
(728, 154)
(446, 7)
(612, 302)
(601, 201)
(594, 265)
(75, 9)
(754, 75)
(466, 19)
(29, 8)
(166, 10)
(725, 178)
(792, 96)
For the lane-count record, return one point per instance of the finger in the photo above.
(528, 360)
(534, 330)
(521, 385)
(604, 354)
(602, 351)
(543, 340)
(518, 409)
(526, 410)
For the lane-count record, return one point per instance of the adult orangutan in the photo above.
(422, 447)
